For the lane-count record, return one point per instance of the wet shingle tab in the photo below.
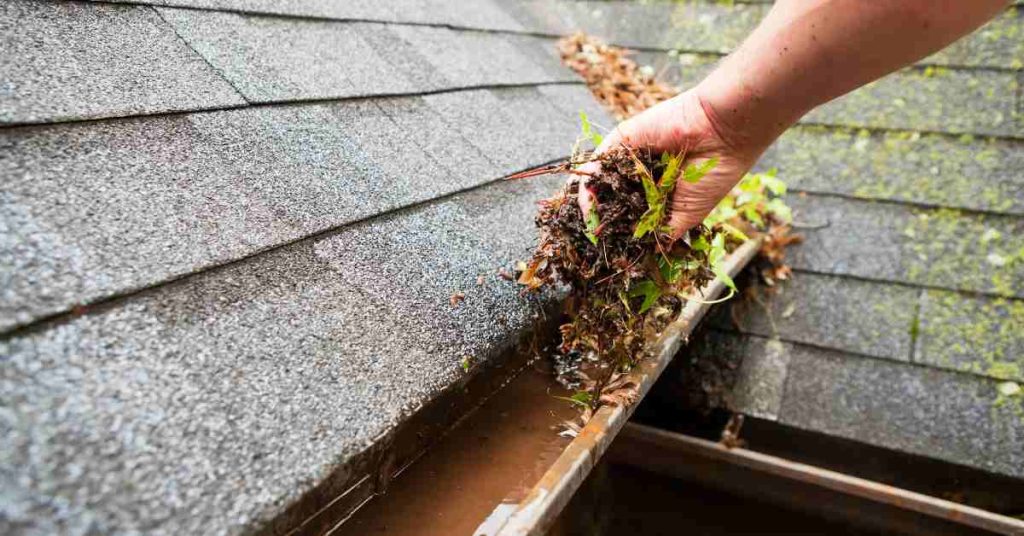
(934, 413)
(209, 405)
(960, 102)
(68, 61)
(834, 312)
(940, 100)
(935, 247)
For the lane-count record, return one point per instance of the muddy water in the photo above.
(495, 454)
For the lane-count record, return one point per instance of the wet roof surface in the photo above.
(272, 229)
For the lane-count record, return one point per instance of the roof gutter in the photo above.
(538, 510)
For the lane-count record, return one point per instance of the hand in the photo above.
(684, 124)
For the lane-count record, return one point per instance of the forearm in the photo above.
(807, 52)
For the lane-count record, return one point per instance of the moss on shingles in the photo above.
(699, 26)
(1000, 43)
(978, 102)
(975, 334)
(950, 248)
(980, 173)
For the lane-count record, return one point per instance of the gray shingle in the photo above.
(972, 102)
(403, 57)
(69, 61)
(889, 242)
(543, 52)
(105, 208)
(981, 335)
(547, 17)
(939, 414)
(760, 364)
(271, 59)
(571, 100)
(457, 161)
(965, 172)
(209, 405)
(506, 125)
(831, 312)
(483, 14)
(470, 59)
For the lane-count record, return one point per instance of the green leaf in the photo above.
(671, 173)
(647, 223)
(779, 208)
(589, 131)
(696, 172)
(752, 216)
(716, 258)
(773, 184)
(581, 398)
(724, 277)
(701, 244)
(717, 252)
(670, 269)
(654, 197)
(650, 292)
(593, 222)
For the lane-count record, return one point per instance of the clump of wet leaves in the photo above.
(616, 81)
(627, 279)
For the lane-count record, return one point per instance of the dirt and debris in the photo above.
(626, 277)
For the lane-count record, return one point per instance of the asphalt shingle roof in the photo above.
(267, 247)
(56, 69)
(207, 315)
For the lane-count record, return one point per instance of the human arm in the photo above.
(803, 54)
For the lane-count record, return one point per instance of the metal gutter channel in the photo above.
(694, 457)
(546, 500)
